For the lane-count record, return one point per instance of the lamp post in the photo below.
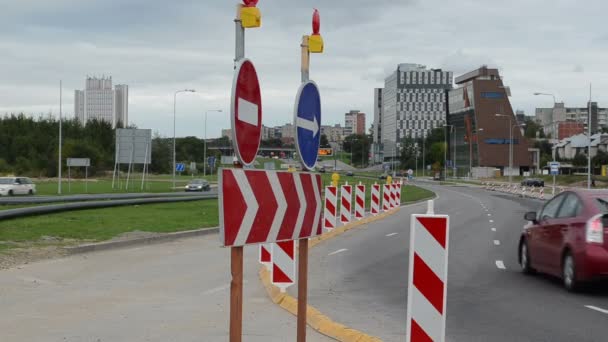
(510, 146)
(205, 141)
(60, 134)
(553, 123)
(174, 109)
(453, 131)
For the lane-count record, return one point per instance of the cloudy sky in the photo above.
(158, 47)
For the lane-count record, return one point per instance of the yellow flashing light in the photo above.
(315, 43)
(251, 17)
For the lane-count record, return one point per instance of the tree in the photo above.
(358, 145)
(580, 160)
(324, 141)
(409, 151)
(600, 159)
(437, 153)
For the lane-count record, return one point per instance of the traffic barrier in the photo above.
(331, 204)
(428, 275)
(264, 256)
(542, 194)
(375, 202)
(283, 273)
(398, 195)
(386, 197)
(360, 202)
(393, 196)
(523, 191)
(346, 194)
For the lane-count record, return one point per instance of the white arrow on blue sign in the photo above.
(307, 117)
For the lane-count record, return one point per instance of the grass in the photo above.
(261, 161)
(104, 224)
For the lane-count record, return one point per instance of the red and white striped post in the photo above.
(393, 196)
(283, 273)
(331, 205)
(428, 275)
(360, 201)
(346, 194)
(542, 193)
(386, 197)
(398, 195)
(264, 256)
(375, 202)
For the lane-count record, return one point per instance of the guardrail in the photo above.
(91, 197)
(56, 208)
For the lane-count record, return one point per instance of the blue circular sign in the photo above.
(307, 123)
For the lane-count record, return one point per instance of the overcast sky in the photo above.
(158, 47)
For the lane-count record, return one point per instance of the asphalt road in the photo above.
(360, 278)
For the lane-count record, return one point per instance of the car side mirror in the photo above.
(531, 216)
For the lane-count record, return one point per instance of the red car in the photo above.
(568, 238)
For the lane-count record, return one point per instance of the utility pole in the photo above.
(60, 134)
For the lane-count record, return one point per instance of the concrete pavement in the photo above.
(360, 279)
(177, 291)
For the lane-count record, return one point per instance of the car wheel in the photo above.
(524, 258)
(11, 193)
(569, 273)
(31, 192)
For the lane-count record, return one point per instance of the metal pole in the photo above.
(454, 161)
(510, 151)
(174, 105)
(205, 148)
(302, 289)
(445, 153)
(423, 156)
(589, 142)
(60, 134)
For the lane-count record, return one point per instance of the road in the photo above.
(360, 278)
(175, 291)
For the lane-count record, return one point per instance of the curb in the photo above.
(104, 246)
(314, 318)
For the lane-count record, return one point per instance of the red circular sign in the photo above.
(246, 110)
(250, 3)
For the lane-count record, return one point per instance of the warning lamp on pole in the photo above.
(251, 17)
(315, 41)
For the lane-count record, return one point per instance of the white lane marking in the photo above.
(489, 214)
(500, 265)
(338, 251)
(497, 243)
(491, 221)
(248, 112)
(493, 229)
(391, 234)
(604, 311)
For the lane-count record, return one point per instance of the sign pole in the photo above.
(236, 294)
(302, 289)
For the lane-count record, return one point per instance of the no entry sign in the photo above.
(258, 206)
(246, 112)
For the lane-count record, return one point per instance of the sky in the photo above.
(158, 47)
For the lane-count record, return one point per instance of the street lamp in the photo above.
(452, 129)
(205, 141)
(510, 145)
(553, 123)
(174, 107)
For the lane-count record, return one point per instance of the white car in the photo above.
(10, 186)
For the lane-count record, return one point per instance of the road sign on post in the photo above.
(246, 112)
(180, 167)
(307, 123)
(428, 275)
(258, 206)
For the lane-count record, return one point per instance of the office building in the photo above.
(333, 133)
(483, 122)
(99, 101)
(550, 118)
(413, 103)
(354, 123)
(567, 129)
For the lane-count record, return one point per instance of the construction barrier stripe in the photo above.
(346, 200)
(329, 213)
(283, 263)
(375, 203)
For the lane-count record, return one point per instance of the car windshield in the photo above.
(602, 204)
(198, 181)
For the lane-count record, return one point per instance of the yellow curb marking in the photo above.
(314, 318)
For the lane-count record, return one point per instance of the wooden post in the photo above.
(236, 294)
(302, 289)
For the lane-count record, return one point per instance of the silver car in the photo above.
(10, 186)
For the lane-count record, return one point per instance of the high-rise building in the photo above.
(333, 133)
(354, 123)
(550, 118)
(101, 102)
(413, 103)
(483, 123)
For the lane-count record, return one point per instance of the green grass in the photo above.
(261, 161)
(104, 224)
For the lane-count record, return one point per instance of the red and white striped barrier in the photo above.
(360, 202)
(346, 194)
(428, 275)
(542, 194)
(393, 196)
(386, 197)
(375, 203)
(331, 205)
(264, 256)
(398, 193)
(283, 273)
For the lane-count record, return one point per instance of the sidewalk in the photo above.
(177, 291)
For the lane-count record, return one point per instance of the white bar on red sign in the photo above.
(386, 197)
(331, 205)
(283, 273)
(428, 275)
(360, 202)
(264, 256)
(346, 197)
(259, 206)
(375, 202)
